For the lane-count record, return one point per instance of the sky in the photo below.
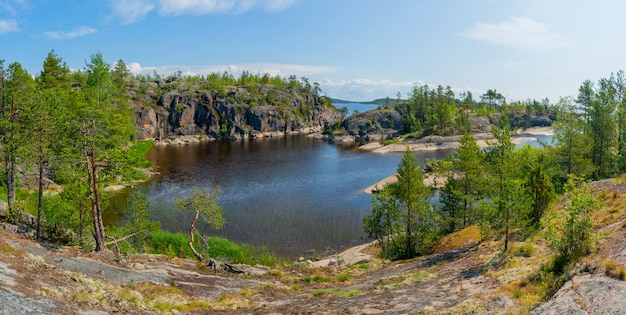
(355, 49)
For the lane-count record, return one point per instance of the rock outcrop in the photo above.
(381, 124)
(374, 125)
(239, 114)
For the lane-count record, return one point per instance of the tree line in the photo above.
(76, 128)
(499, 188)
(439, 111)
(69, 125)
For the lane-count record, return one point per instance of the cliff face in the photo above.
(239, 114)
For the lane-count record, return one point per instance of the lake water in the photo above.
(294, 195)
(356, 107)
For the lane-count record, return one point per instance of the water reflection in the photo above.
(291, 194)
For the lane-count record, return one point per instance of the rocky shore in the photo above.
(439, 143)
(433, 143)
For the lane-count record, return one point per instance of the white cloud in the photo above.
(519, 33)
(367, 90)
(197, 7)
(76, 32)
(8, 26)
(13, 6)
(277, 5)
(130, 11)
(236, 70)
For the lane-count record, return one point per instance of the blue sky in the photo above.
(355, 49)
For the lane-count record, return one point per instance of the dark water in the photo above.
(292, 195)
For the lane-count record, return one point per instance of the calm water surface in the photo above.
(292, 195)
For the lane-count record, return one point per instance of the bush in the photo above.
(613, 270)
(525, 250)
(343, 277)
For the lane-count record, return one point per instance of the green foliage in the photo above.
(391, 141)
(68, 211)
(509, 200)
(402, 220)
(136, 154)
(570, 232)
(224, 249)
(203, 203)
(138, 222)
(170, 244)
(466, 185)
(384, 221)
(176, 245)
(343, 277)
(525, 250)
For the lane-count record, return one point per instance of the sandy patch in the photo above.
(115, 187)
(351, 256)
(537, 131)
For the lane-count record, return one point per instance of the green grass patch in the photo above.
(336, 292)
(343, 277)
(391, 141)
(321, 278)
(177, 245)
(421, 275)
(137, 153)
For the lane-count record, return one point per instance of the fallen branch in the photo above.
(114, 241)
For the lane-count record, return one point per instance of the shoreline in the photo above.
(439, 143)
(433, 143)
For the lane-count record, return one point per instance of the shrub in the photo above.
(343, 277)
(321, 278)
(525, 250)
(613, 270)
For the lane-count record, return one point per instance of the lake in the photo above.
(294, 195)
(356, 107)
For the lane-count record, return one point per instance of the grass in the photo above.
(420, 275)
(613, 270)
(321, 278)
(177, 245)
(458, 239)
(391, 141)
(336, 292)
(343, 277)
(136, 153)
(525, 250)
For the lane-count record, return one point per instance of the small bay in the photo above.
(294, 195)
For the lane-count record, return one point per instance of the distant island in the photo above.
(378, 101)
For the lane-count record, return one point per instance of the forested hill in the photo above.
(223, 107)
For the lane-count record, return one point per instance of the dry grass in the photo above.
(614, 270)
(467, 236)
